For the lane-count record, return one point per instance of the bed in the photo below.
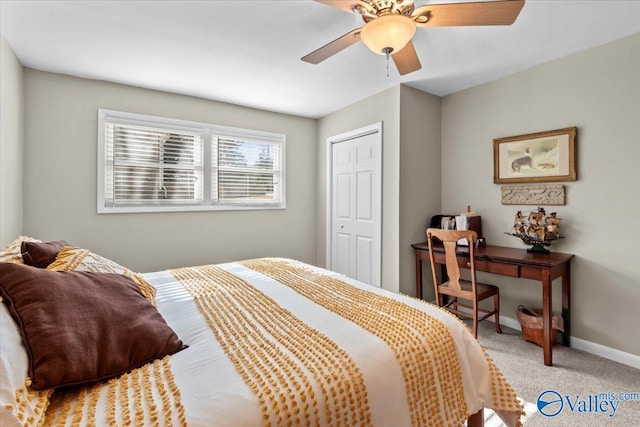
(270, 342)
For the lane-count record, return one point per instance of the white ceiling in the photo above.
(248, 52)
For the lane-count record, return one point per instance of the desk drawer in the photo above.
(493, 267)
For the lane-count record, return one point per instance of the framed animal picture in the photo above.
(537, 157)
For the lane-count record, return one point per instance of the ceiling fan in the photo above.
(391, 24)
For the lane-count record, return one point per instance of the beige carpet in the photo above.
(573, 373)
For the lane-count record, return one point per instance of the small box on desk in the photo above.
(475, 224)
(471, 223)
(467, 222)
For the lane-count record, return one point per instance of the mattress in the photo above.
(278, 342)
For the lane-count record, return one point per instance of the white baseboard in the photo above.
(606, 352)
(508, 322)
(584, 345)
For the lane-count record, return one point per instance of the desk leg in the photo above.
(566, 298)
(477, 419)
(546, 317)
(418, 275)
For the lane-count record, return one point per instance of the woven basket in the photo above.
(531, 322)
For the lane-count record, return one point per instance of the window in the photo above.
(245, 172)
(148, 164)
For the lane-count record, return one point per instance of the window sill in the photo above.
(152, 209)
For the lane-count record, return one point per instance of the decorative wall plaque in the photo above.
(549, 194)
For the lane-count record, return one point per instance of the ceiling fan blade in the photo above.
(502, 12)
(346, 5)
(407, 60)
(333, 47)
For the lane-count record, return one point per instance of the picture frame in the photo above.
(536, 157)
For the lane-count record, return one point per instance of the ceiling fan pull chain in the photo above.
(387, 65)
(387, 52)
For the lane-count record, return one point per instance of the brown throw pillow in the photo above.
(11, 252)
(83, 327)
(41, 254)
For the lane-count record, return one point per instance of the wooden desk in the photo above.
(517, 263)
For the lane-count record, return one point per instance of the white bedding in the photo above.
(210, 392)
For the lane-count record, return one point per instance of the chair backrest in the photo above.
(449, 239)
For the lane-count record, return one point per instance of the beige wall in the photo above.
(383, 107)
(410, 173)
(599, 92)
(11, 143)
(60, 180)
(419, 179)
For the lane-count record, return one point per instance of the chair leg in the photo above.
(496, 307)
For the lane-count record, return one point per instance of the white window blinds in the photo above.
(246, 172)
(148, 164)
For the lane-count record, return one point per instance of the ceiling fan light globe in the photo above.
(388, 32)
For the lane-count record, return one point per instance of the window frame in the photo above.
(209, 132)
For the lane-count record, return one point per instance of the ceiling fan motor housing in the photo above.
(377, 8)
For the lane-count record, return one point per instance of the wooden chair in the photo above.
(455, 287)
